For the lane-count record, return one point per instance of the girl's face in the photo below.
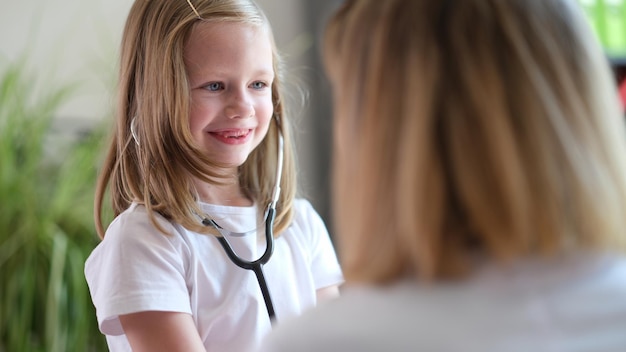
(230, 71)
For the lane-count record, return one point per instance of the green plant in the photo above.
(46, 226)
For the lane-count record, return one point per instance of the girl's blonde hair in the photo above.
(154, 92)
(471, 129)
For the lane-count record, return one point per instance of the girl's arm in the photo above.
(161, 331)
(329, 292)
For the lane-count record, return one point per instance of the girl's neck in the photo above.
(229, 194)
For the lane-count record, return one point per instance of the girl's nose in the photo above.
(239, 105)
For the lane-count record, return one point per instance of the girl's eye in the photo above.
(214, 86)
(258, 85)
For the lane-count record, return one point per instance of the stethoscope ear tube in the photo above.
(279, 172)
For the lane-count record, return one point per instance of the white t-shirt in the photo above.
(137, 268)
(576, 304)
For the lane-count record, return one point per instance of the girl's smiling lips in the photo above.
(232, 136)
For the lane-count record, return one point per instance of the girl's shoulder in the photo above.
(133, 231)
(305, 216)
(304, 210)
(135, 224)
(307, 226)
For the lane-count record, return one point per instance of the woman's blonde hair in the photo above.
(154, 98)
(474, 128)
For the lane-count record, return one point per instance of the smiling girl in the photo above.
(199, 124)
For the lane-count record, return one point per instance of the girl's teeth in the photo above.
(233, 134)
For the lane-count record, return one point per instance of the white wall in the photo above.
(66, 42)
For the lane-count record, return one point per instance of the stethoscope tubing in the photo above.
(257, 265)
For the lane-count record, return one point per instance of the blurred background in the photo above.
(58, 62)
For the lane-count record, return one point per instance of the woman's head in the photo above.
(465, 128)
(155, 96)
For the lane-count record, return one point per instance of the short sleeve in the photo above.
(325, 268)
(137, 268)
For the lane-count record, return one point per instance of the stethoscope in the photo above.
(256, 265)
